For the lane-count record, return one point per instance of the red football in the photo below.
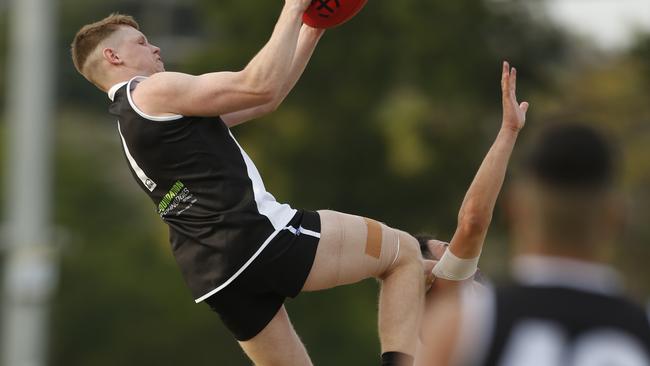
(330, 13)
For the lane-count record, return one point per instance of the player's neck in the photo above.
(121, 77)
(587, 252)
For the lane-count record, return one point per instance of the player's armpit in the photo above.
(239, 117)
(206, 95)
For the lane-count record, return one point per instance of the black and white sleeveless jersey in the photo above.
(204, 186)
(548, 320)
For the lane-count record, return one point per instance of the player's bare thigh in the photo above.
(277, 344)
(353, 248)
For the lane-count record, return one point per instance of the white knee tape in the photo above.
(396, 254)
(453, 268)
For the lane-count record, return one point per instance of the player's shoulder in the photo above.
(153, 97)
(163, 82)
(157, 91)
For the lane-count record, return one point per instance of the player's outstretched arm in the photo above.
(307, 42)
(220, 93)
(440, 331)
(476, 211)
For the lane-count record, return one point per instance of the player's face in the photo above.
(138, 54)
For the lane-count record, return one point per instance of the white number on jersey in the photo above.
(541, 343)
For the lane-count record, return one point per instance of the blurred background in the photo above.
(391, 120)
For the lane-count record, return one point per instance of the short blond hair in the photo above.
(91, 35)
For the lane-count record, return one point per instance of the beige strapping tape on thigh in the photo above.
(374, 238)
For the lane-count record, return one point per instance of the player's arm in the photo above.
(307, 42)
(476, 211)
(219, 93)
(440, 330)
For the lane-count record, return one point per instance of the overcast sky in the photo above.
(611, 23)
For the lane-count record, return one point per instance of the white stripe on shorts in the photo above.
(302, 230)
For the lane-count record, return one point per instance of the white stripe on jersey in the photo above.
(278, 214)
(149, 183)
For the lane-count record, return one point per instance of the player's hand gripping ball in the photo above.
(330, 13)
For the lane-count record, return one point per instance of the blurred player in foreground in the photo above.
(240, 250)
(566, 306)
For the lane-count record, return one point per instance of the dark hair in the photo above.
(571, 156)
(423, 239)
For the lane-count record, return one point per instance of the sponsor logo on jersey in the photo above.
(177, 195)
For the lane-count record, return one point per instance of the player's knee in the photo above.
(408, 254)
(409, 249)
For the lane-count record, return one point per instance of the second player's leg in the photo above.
(352, 249)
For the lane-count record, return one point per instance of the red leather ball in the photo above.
(330, 13)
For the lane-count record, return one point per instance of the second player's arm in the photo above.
(476, 210)
(307, 42)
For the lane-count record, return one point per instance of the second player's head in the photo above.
(564, 200)
(433, 249)
(113, 50)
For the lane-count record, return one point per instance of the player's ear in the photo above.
(111, 56)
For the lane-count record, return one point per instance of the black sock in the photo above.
(396, 359)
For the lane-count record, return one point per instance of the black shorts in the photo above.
(248, 304)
